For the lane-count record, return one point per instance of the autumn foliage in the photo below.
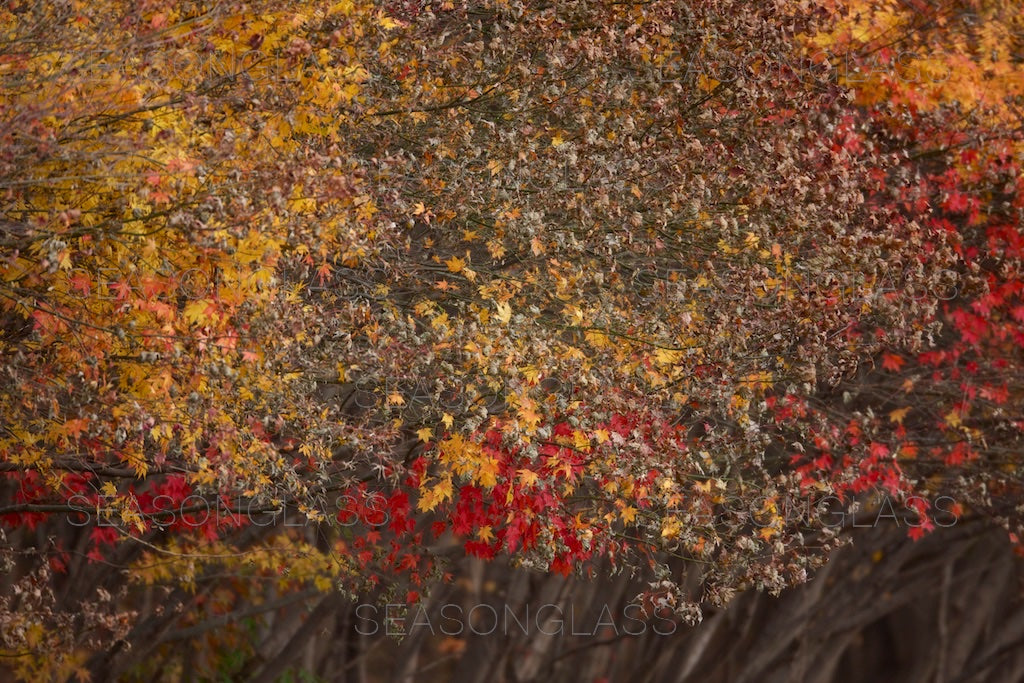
(296, 296)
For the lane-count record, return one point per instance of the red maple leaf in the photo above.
(893, 362)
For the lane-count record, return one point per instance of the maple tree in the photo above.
(935, 85)
(593, 281)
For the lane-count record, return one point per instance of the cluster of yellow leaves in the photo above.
(293, 561)
(133, 243)
(462, 458)
(38, 659)
(959, 52)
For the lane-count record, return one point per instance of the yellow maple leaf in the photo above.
(704, 486)
(440, 491)
(597, 339)
(527, 477)
(344, 7)
(628, 514)
(707, 84)
(504, 314)
(487, 472)
(529, 415)
(455, 264)
(898, 414)
(667, 357)
(532, 374)
(670, 528)
(387, 22)
(199, 312)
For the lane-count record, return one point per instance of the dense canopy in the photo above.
(297, 296)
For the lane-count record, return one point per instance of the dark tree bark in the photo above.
(947, 608)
